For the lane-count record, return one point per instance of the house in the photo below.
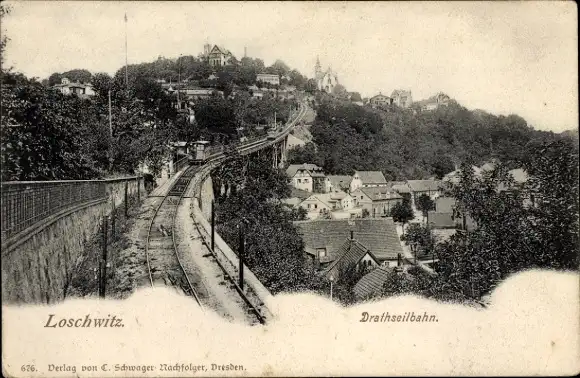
(309, 177)
(273, 79)
(80, 89)
(402, 98)
(293, 141)
(367, 179)
(199, 93)
(351, 255)
(337, 199)
(316, 206)
(219, 56)
(340, 182)
(433, 188)
(434, 102)
(380, 100)
(378, 201)
(322, 238)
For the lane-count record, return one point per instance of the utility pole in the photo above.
(110, 116)
(241, 246)
(103, 270)
(212, 225)
(178, 82)
(126, 59)
(110, 134)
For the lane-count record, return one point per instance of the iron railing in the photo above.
(25, 203)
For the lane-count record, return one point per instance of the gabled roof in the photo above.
(424, 185)
(377, 234)
(372, 177)
(379, 96)
(349, 254)
(380, 193)
(319, 198)
(371, 283)
(293, 168)
(340, 181)
(401, 188)
(220, 49)
(299, 193)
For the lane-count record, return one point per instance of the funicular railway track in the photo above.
(165, 268)
(163, 263)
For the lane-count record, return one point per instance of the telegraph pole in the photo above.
(110, 134)
(110, 117)
(178, 82)
(241, 246)
(212, 226)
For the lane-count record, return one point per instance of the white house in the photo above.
(308, 177)
(367, 179)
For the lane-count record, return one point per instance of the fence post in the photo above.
(126, 199)
(103, 270)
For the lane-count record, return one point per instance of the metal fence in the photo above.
(26, 202)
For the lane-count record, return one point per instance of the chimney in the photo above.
(399, 267)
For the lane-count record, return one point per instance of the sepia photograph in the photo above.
(309, 188)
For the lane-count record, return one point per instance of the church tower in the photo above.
(317, 69)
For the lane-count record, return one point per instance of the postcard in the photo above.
(289, 189)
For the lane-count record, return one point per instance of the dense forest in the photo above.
(406, 144)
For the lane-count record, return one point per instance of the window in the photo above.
(321, 252)
(315, 206)
(361, 197)
(299, 181)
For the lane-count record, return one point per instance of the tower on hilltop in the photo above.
(206, 48)
(317, 69)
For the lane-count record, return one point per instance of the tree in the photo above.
(274, 250)
(42, 133)
(4, 10)
(402, 212)
(216, 114)
(420, 236)
(424, 203)
(355, 97)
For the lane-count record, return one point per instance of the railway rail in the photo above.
(163, 263)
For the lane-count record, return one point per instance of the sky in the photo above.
(502, 57)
